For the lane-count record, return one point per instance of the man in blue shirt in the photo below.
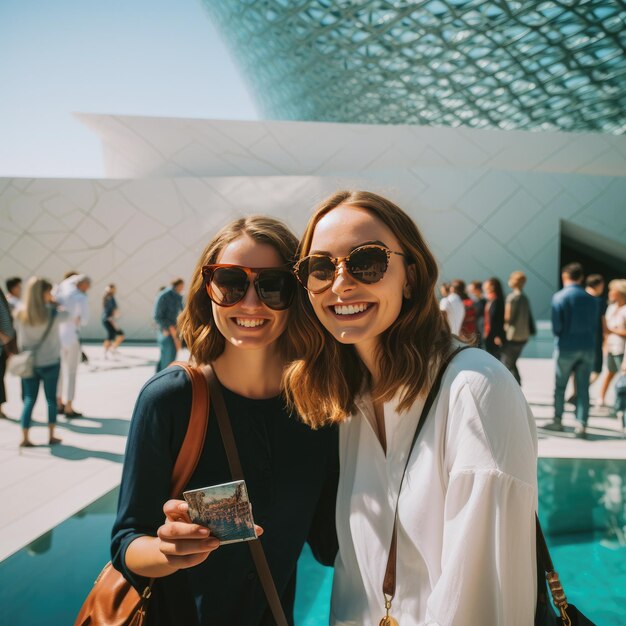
(168, 305)
(574, 322)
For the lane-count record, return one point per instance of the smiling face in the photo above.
(249, 324)
(353, 312)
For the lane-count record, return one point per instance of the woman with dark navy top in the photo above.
(238, 318)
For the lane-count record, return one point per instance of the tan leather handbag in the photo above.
(113, 601)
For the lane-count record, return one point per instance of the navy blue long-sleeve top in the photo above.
(291, 473)
(109, 306)
(575, 315)
(168, 305)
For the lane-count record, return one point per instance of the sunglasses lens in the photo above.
(368, 265)
(276, 288)
(228, 285)
(316, 273)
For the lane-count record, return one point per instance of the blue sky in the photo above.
(139, 57)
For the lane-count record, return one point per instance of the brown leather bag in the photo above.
(113, 601)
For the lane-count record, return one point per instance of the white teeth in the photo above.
(350, 309)
(248, 323)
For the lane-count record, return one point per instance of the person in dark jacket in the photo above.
(110, 311)
(493, 333)
(574, 324)
(238, 319)
(167, 307)
(7, 344)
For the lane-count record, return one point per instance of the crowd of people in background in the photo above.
(480, 313)
(590, 333)
(42, 322)
(585, 329)
(45, 320)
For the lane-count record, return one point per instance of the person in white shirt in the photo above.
(452, 305)
(615, 342)
(71, 294)
(375, 340)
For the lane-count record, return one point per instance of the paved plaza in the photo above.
(43, 486)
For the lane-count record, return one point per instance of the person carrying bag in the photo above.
(236, 322)
(22, 364)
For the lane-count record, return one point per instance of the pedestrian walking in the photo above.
(594, 286)
(493, 330)
(469, 329)
(72, 296)
(37, 324)
(475, 292)
(615, 318)
(167, 308)
(7, 345)
(452, 306)
(574, 321)
(519, 324)
(14, 292)
(110, 312)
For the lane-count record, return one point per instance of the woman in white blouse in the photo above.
(466, 511)
(615, 340)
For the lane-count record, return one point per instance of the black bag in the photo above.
(549, 588)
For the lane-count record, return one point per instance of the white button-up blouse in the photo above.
(466, 534)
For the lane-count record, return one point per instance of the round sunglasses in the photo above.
(227, 284)
(367, 264)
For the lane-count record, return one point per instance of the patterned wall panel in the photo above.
(489, 202)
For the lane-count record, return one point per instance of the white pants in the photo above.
(70, 357)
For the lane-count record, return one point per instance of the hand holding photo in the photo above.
(225, 509)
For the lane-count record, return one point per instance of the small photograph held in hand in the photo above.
(225, 509)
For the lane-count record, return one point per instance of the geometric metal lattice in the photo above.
(553, 65)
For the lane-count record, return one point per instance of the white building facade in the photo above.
(488, 201)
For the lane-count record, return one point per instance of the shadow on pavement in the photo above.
(593, 434)
(72, 453)
(96, 426)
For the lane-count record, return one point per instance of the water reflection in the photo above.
(40, 545)
(582, 504)
(583, 496)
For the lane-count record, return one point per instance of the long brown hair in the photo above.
(196, 323)
(323, 383)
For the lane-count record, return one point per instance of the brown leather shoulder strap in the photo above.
(389, 580)
(190, 451)
(256, 548)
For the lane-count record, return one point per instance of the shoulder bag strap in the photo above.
(191, 448)
(389, 582)
(193, 443)
(53, 314)
(256, 548)
(545, 571)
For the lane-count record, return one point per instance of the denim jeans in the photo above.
(168, 351)
(581, 363)
(49, 375)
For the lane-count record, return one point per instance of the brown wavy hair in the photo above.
(323, 383)
(196, 323)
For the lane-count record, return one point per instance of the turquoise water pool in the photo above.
(582, 510)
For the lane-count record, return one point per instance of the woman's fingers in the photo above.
(258, 530)
(176, 511)
(184, 545)
(184, 562)
(174, 531)
(187, 547)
